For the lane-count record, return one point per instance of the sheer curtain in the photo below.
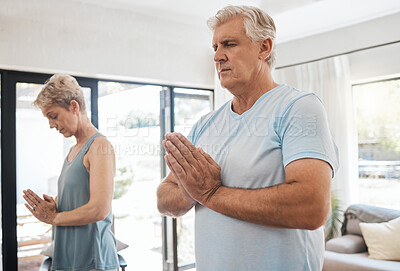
(329, 79)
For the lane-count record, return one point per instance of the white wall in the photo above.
(381, 62)
(90, 40)
(364, 64)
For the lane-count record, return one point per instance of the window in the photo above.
(1, 241)
(129, 116)
(34, 138)
(189, 106)
(378, 124)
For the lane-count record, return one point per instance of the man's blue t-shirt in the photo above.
(252, 149)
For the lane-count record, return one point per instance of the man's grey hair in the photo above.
(258, 24)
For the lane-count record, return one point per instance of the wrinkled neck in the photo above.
(245, 96)
(85, 129)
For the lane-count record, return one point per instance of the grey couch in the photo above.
(349, 252)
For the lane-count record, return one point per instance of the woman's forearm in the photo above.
(86, 214)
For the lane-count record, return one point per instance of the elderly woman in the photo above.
(81, 212)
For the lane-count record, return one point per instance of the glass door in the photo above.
(29, 154)
(40, 152)
(186, 106)
(1, 241)
(129, 116)
(189, 106)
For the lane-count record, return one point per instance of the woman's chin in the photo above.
(67, 135)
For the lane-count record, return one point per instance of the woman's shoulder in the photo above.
(102, 146)
(101, 139)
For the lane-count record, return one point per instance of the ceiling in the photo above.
(294, 18)
(197, 11)
(206, 8)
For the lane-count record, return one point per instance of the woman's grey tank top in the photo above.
(86, 247)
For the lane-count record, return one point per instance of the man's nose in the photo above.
(219, 55)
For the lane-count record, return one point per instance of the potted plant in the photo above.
(334, 222)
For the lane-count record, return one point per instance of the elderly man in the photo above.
(259, 168)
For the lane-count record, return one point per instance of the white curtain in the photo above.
(329, 79)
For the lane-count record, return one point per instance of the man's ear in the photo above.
(265, 48)
(74, 106)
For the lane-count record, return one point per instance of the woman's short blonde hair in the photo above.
(60, 90)
(258, 24)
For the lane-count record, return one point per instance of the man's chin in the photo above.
(224, 84)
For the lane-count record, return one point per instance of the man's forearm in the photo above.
(171, 201)
(286, 205)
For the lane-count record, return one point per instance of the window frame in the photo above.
(9, 80)
(361, 83)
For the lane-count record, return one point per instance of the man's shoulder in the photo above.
(288, 95)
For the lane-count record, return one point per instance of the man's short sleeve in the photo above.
(304, 132)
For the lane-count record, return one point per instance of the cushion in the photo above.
(348, 243)
(121, 246)
(365, 213)
(49, 250)
(353, 226)
(334, 261)
(382, 239)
